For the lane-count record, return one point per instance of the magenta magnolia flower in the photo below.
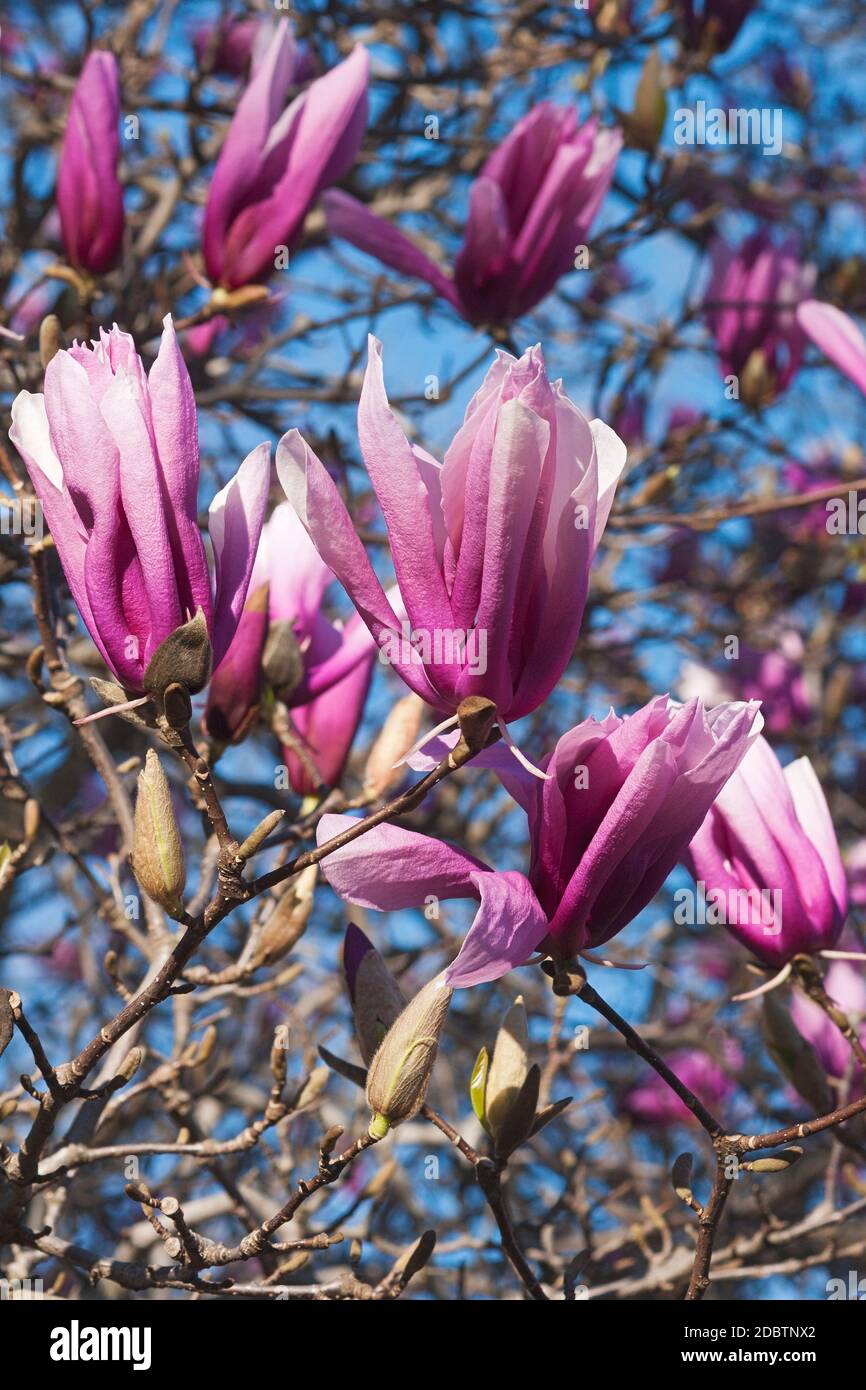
(275, 162)
(837, 336)
(530, 208)
(652, 1102)
(623, 800)
(751, 298)
(776, 678)
(89, 194)
(286, 596)
(231, 45)
(846, 984)
(767, 853)
(492, 549)
(113, 456)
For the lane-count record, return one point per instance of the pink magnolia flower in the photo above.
(492, 549)
(821, 472)
(112, 453)
(775, 677)
(623, 800)
(768, 853)
(530, 208)
(231, 45)
(652, 1102)
(837, 336)
(327, 696)
(751, 298)
(89, 193)
(275, 162)
(845, 983)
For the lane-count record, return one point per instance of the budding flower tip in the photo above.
(379, 1127)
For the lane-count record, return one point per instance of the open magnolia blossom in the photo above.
(768, 852)
(623, 798)
(652, 1102)
(492, 549)
(320, 669)
(276, 159)
(112, 454)
(530, 211)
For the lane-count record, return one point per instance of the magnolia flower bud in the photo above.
(400, 1071)
(399, 733)
(377, 999)
(157, 853)
(508, 1068)
(288, 921)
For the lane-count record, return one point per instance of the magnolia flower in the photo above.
(623, 800)
(230, 46)
(767, 853)
(775, 677)
(751, 298)
(846, 985)
(837, 336)
(112, 454)
(653, 1102)
(491, 549)
(89, 194)
(530, 209)
(320, 669)
(276, 161)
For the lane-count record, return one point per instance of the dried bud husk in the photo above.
(51, 339)
(681, 1178)
(757, 386)
(413, 1260)
(476, 716)
(157, 853)
(644, 124)
(311, 1088)
(400, 1072)
(288, 921)
(377, 1000)
(548, 1113)
(399, 732)
(508, 1068)
(282, 659)
(131, 1063)
(184, 658)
